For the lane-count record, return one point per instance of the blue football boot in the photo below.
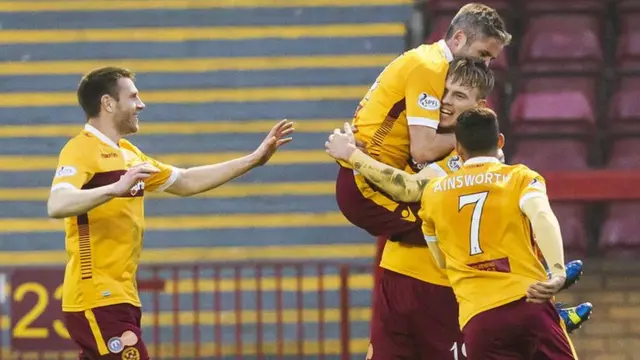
(574, 317)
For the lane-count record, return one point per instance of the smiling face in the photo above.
(457, 99)
(127, 107)
(486, 48)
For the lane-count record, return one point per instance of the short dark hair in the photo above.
(478, 19)
(472, 73)
(97, 83)
(477, 130)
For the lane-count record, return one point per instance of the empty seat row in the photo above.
(620, 228)
(573, 154)
(619, 231)
(569, 105)
(565, 43)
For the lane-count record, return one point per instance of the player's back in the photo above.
(407, 92)
(490, 252)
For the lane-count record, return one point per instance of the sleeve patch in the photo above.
(538, 185)
(66, 171)
(428, 102)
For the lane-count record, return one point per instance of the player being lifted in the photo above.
(467, 86)
(98, 188)
(398, 120)
(479, 223)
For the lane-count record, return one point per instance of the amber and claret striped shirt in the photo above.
(104, 245)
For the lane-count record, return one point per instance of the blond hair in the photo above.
(477, 19)
(472, 73)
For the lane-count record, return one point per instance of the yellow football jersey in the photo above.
(104, 245)
(407, 92)
(476, 219)
(416, 261)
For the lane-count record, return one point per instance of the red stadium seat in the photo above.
(551, 154)
(572, 218)
(562, 43)
(624, 109)
(628, 51)
(439, 30)
(621, 230)
(625, 6)
(554, 106)
(564, 6)
(548, 155)
(620, 233)
(625, 154)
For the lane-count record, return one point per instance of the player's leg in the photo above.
(552, 341)
(499, 333)
(391, 322)
(376, 213)
(435, 323)
(108, 332)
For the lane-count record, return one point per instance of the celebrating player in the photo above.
(98, 188)
(479, 223)
(398, 121)
(399, 116)
(467, 86)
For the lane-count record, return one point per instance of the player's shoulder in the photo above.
(128, 145)
(428, 57)
(523, 171)
(84, 142)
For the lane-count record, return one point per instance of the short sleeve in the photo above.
(160, 181)
(533, 185)
(73, 169)
(422, 97)
(428, 226)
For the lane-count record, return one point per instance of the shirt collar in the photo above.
(101, 136)
(447, 52)
(482, 160)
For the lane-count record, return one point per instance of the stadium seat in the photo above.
(572, 218)
(621, 230)
(551, 154)
(625, 6)
(439, 30)
(624, 108)
(554, 105)
(625, 154)
(562, 43)
(558, 155)
(565, 6)
(628, 51)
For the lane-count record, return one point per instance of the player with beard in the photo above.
(98, 189)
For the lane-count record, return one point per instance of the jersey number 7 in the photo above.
(477, 200)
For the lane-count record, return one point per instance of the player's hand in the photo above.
(341, 144)
(133, 175)
(545, 290)
(277, 137)
(361, 145)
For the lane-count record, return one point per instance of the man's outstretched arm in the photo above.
(200, 179)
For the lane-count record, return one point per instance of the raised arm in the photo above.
(199, 179)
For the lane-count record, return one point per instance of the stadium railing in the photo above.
(209, 311)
